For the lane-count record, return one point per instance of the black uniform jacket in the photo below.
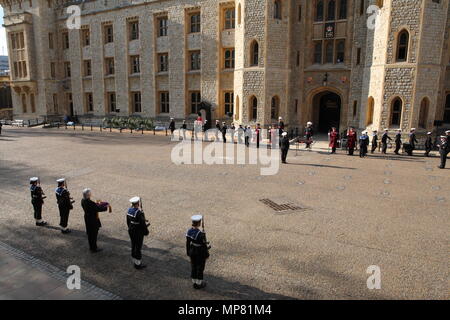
(63, 198)
(36, 195)
(91, 210)
(136, 221)
(285, 143)
(196, 244)
(385, 138)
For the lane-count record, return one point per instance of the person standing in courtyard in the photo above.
(224, 132)
(428, 144)
(384, 141)
(444, 148)
(183, 129)
(1, 124)
(258, 134)
(218, 129)
(197, 251)
(37, 200)
(241, 132)
(64, 204)
(92, 219)
(247, 135)
(172, 126)
(205, 130)
(333, 137)
(285, 144)
(137, 229)
(351, 141)
(398, 141)
(412, 142)
(374, 141)
(363, 144)
(309, 135)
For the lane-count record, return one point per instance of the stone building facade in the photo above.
(253, 60)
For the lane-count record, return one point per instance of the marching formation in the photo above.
(197, 247)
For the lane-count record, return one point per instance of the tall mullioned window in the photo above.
(164, 103)
(108, 33)
(163, 62)
(229, 58)
(254, 53)
(135, 64)
(229, 18)
(134, 29)
(277, 10)
(162, 26)
(318, 52)
(195, 60)
(195, 101)
(195, 22)
(229, 102)
(111, 101)
(319, 11)
(136, 101)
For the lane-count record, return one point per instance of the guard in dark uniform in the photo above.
(309, 134)
(1, 124)
(374, 141)
(398, 141)
(258, 134)
(64, 204)
(137, 229)
(92, 219)
(172, 126)
(285, 144)
(428, 144)
(280, 126)
(37, 200)
(224, 132)
(197, 250)
(247, 135)
(205, 130)
(384, 141)
(412, 142)
(363, 144)
(444, 148)
(183, 129)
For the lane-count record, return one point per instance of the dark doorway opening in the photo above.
(327, 110)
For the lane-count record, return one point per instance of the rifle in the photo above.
(208, 244)
(43, 193)
(67, 188)
(142, 209)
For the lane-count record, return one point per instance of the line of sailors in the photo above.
(197, 247)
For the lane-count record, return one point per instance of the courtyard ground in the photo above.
(389, 211)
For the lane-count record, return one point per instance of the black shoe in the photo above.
(196, 286)
(96, 250)
(65, 231)
(441, 167)
(41, 224)
(201, 286)
(139, 266)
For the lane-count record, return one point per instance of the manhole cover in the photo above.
(280, 207)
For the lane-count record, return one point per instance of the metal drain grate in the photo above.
(280, 207)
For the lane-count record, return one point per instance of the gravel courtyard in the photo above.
(389, 211)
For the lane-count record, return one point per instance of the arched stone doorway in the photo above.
(326, 110)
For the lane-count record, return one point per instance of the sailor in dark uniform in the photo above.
(172, 126)
(412, 142)
(428, 144)
(183, 129)
(37, 200)
(444, 148)
(384, 141)
(224, 132)
(285, 144)
(374, 141)
(247, 135)
(197, 251)
(280, 126)
(64, 204)
(363, 144)
(137, 229)
(91, 218)
(398, 141)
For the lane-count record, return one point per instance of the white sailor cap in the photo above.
(309, 122)
(60, 180)
(284, 134)
(399, 130)
(429, 132)
(448, 131)
(34, 179)
(197, 218)
(171, 118)
(413, 129)
(386, 129)
(86, 190)
(280, 118)
(135, 200)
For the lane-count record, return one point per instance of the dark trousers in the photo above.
(137, 239)
(224, 137)
(197, 267)
(37, 211)
(64, 217)
(351, 151)
(362, 152)
(333, 150)
(427, 152)
(443, 158)
(384, 147)
(247, 141)
(398, 146)
(410, 150)
(92, 234)
(284, 153)
(374, 147)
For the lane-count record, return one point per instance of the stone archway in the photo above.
(326, 110)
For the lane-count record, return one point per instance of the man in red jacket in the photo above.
(334, 137)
